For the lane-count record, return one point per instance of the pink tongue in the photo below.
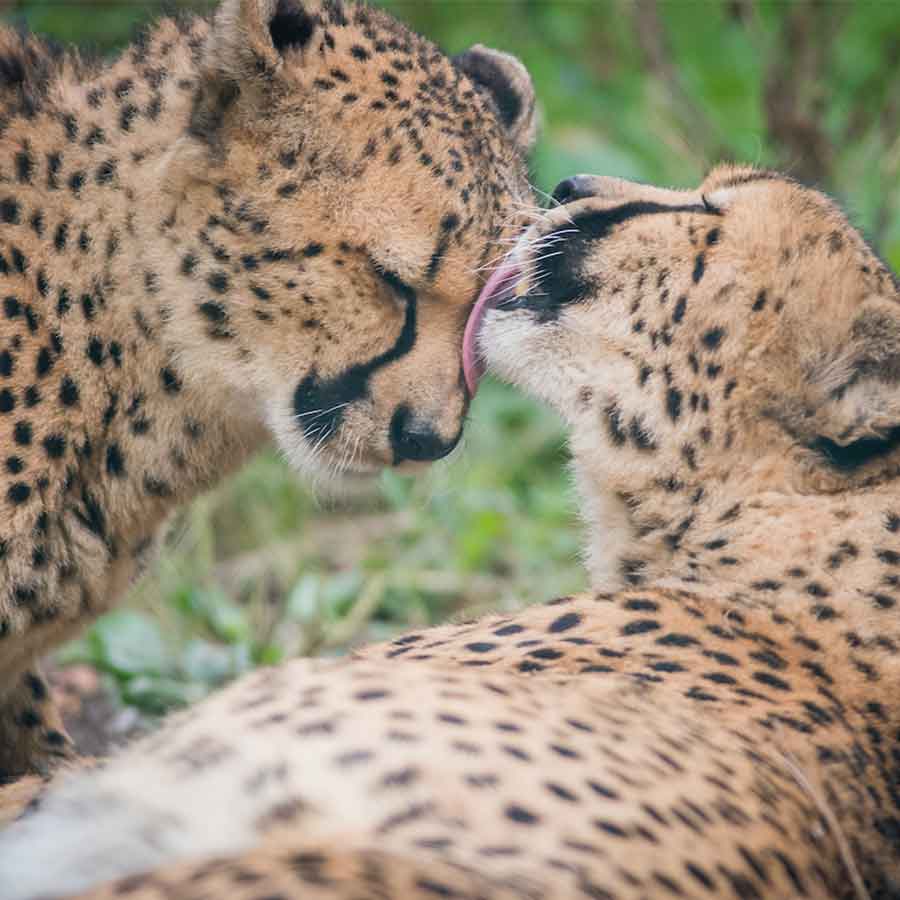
(472, 366)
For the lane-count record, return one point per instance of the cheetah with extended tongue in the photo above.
(266, 224)
(722, 718)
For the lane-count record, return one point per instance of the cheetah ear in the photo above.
(509, 85)
(862, 412)
(244, 56)
(250, 37)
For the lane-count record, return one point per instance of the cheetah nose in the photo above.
(575, 188)
(415, 441)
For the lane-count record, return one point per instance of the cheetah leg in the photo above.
(33, 739)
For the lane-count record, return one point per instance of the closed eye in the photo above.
(850, 457)
(394, 281)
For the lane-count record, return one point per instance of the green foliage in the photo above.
(261, 569)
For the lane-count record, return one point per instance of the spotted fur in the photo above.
(719, 718)
(266, 224)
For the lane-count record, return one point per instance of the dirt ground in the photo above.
(96, 722)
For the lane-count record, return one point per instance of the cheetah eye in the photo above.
(850, 457)
(393, 281)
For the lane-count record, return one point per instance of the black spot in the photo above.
(36, 686)
(565, 622)
(770, 680)
(290, 27)
(673, 404)
(76, 182)
(676, 640)
(712, 338)
(640, 604)
(91, 515)
(155, 487)
(481, 647)
(127, 116)
(95, 351)
(18, 493)
(61, 237)
(213, 311)
(106, 171)
(54, 445)
(170, 381)
(68, 392)
(7, 401)
(10, 211)
(22, 433)
(115, 462)
(218, 281)
(699, 267)
(640, 626)
(520, 815)
(614, 424)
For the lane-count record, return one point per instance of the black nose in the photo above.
(575, 188)
(413, 440)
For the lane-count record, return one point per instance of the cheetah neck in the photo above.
(835, 559)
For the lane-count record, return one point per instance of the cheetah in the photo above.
(267, 224)
(718, 718)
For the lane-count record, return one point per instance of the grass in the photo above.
(261, 570)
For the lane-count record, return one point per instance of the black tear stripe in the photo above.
(563, 275)
(437, 258)
(449, 224)
(320, 404)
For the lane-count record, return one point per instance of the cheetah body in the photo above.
(264, 224)
(719, 718)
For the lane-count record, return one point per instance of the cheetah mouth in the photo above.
(499, 288)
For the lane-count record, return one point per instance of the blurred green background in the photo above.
(261, 569)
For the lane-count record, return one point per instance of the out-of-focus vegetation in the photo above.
(260, 569)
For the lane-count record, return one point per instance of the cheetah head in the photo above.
(738, 338)
(357, 181)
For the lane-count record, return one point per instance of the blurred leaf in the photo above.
(126, 643)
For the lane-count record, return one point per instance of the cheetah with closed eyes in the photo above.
(720, 718)
(266, 224)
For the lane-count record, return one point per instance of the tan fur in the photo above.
(270, 224)
(723, 720)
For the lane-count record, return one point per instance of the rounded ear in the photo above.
(508, 84)
(244, 54)
(249, 37)
(861, 418)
